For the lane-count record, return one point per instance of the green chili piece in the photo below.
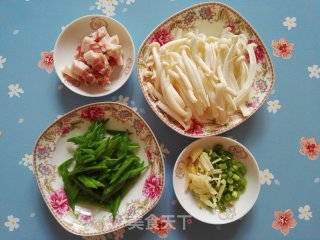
(124, 167)
(116, 205)
(90, 182)
(101, 148)
(87, 169)
(123, 147)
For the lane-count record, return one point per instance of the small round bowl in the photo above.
(72, 35)
(246, 200)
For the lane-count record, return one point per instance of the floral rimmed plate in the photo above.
(210, 18)
(246, 200)
(51, 149)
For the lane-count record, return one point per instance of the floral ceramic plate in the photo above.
(72, 35)
(246, 200)
(51, 150)
(210, 18)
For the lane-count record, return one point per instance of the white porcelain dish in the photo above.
(246, 200)
(71, 36)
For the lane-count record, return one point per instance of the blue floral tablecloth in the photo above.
(283, 135)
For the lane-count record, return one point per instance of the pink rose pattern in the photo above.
(206, 13)
(282, 48)
(180, 170)
(43, 151)
(93, 113)
(238, 151)
(45, 169)
(97, 22)
(128, 66)
(195, 128)
(139, 126)
(309, 148)
(46, 61)
(152, 187)
(259, 52)
(190, 17)
(149, 155)
(86, 218)
(65, 129)
(59, 201)
(233, 27)
(253, 102)
(162, 36)
(125, 115)
(160, 226)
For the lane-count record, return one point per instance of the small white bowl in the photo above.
(72, 35)
(246, 200)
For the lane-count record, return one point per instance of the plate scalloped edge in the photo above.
(263, 87)
(55, 130)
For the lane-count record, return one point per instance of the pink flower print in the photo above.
(45, 169)
(43, 152)
(258, 51)
(283, 221)
(125, 115)
(252, 103)
(46, 61)
(233, 27)
(206, 13)
(131, 211)
(65, 129)
(97, 23)
(310, 148)
(138, 125)
(128, 66)
(152, 187)
(93, 113)
(190, 17)
(149, 155)
(261, 85)
(282, 48)
(196, 127)
(117, 221)
(160, 226)
(59, 201)
(86, 217)
(162, 36)
(238, 151)
(180, 170)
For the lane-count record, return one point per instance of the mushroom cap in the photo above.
(154, 44)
